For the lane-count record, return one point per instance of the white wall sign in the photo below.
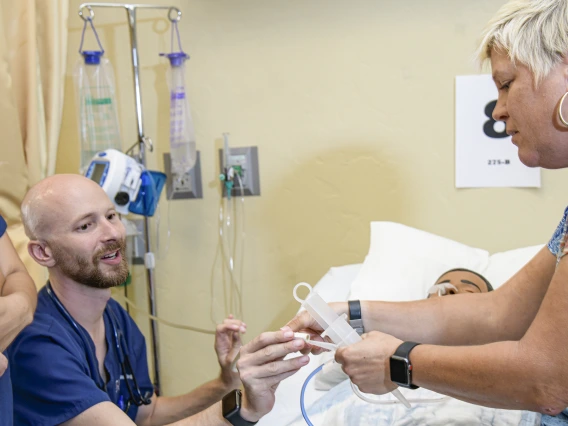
(485, 155)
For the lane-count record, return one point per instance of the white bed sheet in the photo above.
(340, 407)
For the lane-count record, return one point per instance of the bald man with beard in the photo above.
(83, 360)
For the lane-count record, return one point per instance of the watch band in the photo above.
(355, 319)
(403, 352)
(232, 413)
(404, 349)
(237, 420)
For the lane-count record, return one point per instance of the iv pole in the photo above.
(144, 143)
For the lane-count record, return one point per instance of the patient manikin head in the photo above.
(459, 281)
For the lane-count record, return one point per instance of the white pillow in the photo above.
(335, 285)
(504, 265)
(404, 262)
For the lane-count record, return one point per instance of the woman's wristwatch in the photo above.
(355, 319)
(401, 367)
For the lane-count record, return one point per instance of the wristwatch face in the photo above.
(231, 403)
(399, 370)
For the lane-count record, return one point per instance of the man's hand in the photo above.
(3, 364)
(304, 323)
(367, 363)
(227, 345)
(262, 367)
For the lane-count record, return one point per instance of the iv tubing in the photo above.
(303, 392)
(360, 395)
(357, 392)
(166, 322)
(228, 255)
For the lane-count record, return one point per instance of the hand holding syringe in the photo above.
(324, 345)
(335, 327)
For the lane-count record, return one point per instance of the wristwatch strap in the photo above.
(237, 420)
(355, 319)
(234, 416)
(403, 351)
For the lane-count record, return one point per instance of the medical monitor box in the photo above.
(149, 193)
(121, 177)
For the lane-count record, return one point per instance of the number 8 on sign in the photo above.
(489, 126)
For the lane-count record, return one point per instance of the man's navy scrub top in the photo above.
(50, 374)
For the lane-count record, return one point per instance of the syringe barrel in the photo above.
(341, 333)
(320, 310)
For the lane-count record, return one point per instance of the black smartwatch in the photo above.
(355, 319)
(400, 366)
(232, 403)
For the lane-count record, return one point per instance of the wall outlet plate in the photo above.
(245, 160)
(189, 186)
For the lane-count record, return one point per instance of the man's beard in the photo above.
(87, 272)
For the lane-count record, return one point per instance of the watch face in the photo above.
(230, 403)
(399, 370)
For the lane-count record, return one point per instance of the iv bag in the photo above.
(182, 133)
(96, 100)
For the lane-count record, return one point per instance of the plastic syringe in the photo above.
(335, 327)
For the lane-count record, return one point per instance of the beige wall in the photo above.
(351, 104)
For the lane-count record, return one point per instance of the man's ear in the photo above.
(41, 253)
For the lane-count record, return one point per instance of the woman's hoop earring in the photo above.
(560, 110)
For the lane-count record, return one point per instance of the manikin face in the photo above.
(531, 113)
(463, 281)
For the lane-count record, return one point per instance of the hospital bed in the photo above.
(402, 264)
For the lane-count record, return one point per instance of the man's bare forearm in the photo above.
(213, 416)
(171, 409)
(108, 414)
